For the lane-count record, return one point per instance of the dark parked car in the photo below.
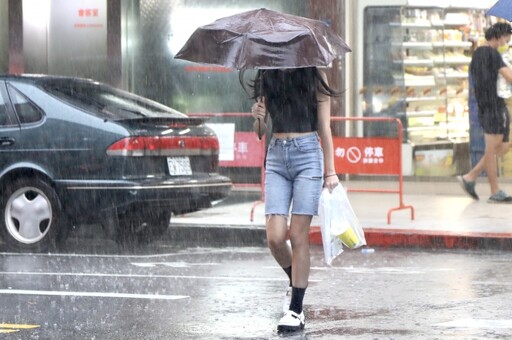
(74, 151)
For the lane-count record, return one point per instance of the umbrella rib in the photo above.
(314, 36)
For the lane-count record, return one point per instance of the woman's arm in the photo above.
(324, 131)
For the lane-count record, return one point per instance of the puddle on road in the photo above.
(336, 314)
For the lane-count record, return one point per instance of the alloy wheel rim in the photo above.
(28, 215)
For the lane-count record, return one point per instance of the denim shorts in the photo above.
(294, 175)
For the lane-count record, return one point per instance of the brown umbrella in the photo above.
(264, 39)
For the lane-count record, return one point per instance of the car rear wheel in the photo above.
(137, 226)
(32, 216)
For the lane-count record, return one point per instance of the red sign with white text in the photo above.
(248, 151)
(379, 155)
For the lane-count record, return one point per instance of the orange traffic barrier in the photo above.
(380, 155)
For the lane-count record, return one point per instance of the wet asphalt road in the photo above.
(93, 290)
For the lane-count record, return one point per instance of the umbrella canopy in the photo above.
(501, 9)
(264, 39)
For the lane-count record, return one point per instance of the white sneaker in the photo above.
(291, 322)
(287, 299)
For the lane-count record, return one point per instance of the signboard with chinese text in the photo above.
(77, 38)
(248, 151)
(378, 155)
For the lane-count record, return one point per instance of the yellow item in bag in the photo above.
(349, 238)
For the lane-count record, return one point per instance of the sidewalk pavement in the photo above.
(445, 218)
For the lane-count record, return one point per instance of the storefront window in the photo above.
(192, 88)
(416, 62)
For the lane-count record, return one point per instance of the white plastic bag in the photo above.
(339, 224)
(503, 86)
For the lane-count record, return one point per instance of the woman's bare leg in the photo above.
(277, 235)
(299, 238)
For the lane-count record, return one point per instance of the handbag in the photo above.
(339, 224)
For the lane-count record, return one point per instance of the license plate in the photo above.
(179, 166)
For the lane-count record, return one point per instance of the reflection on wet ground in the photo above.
(93, 289)
(336, 314)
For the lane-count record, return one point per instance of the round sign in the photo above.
(354, 154)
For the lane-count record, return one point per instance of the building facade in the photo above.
(409, 61)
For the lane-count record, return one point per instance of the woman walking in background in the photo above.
(493, 116)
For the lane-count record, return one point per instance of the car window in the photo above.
(4, 118)
(27, 111)
(108, 102)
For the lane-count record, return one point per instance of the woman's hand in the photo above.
(259, 110)
(331, 181)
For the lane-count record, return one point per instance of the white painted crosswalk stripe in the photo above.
(92, 294)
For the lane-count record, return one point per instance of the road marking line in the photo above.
(172, 264)
(92, 294)
(477, 323)
(13, 327)
(201, 252)
(17, 326)
(225, 278)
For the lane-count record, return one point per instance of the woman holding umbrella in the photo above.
(286, 49)
(297, 166)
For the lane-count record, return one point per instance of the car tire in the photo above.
(32, 218)
(135, 227)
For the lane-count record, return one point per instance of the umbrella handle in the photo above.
(261, 73)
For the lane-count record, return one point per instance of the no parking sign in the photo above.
(356, 155)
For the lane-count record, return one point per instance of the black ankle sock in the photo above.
(288, 272)
(297, 298)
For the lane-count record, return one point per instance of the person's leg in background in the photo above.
(494, 147)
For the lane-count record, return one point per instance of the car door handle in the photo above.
(6, 141)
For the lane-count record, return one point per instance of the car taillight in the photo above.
(164, 146)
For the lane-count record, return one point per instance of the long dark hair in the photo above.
(305, 81)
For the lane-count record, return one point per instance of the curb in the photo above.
(427, 239)
(202, 235)
(217, 235)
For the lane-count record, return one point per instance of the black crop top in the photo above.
(291, 103)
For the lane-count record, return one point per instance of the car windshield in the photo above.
(108, 102)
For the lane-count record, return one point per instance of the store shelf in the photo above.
(415, 62)
(414, 45)
(453, 44)
(424, 99)
(419, 114)
(456, 75)
(456, 23)
(420, 25)
(429, 59)
(422, 128)
(452, 61)
(416, 81)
